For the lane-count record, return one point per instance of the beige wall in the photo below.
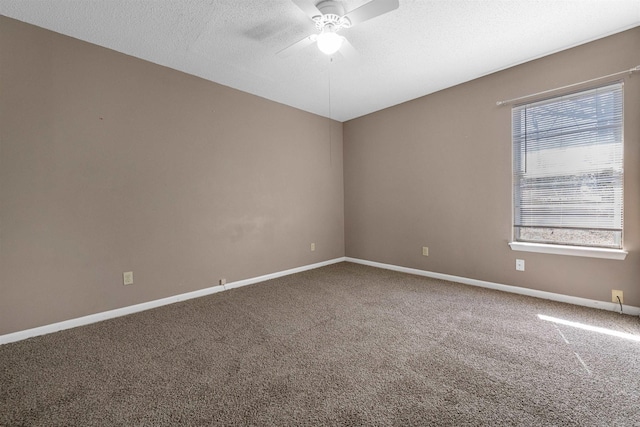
(436, 172)
(110, 164)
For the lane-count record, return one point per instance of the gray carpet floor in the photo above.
(343, 345)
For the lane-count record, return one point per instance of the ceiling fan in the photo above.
(329, 17)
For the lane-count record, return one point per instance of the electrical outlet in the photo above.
(615, 294)
(425, 251)
(223, 282)
(520, 264)
(127, 278)
(313, 247)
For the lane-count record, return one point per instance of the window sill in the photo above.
(618, 254)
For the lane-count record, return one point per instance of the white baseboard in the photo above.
(93, 318)
(627, 309)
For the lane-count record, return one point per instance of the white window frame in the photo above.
(551, 248)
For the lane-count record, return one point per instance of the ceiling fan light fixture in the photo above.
(329, 42)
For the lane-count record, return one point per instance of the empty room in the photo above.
(303, 212)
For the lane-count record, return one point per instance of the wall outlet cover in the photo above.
(127, 278)
(615, 294)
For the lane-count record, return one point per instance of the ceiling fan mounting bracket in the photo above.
(327, 7)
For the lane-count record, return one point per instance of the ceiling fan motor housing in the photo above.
(332, 16)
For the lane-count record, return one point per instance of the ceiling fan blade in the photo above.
(297, 46)
(348, 51)
(308, 7)
(371, 10)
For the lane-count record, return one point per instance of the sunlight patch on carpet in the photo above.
(590, 328)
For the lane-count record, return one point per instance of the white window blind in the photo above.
(568, 169)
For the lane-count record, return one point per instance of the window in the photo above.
(568, 169)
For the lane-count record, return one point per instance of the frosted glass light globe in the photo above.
(329, 42)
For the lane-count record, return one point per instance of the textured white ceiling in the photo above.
(422, 47)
